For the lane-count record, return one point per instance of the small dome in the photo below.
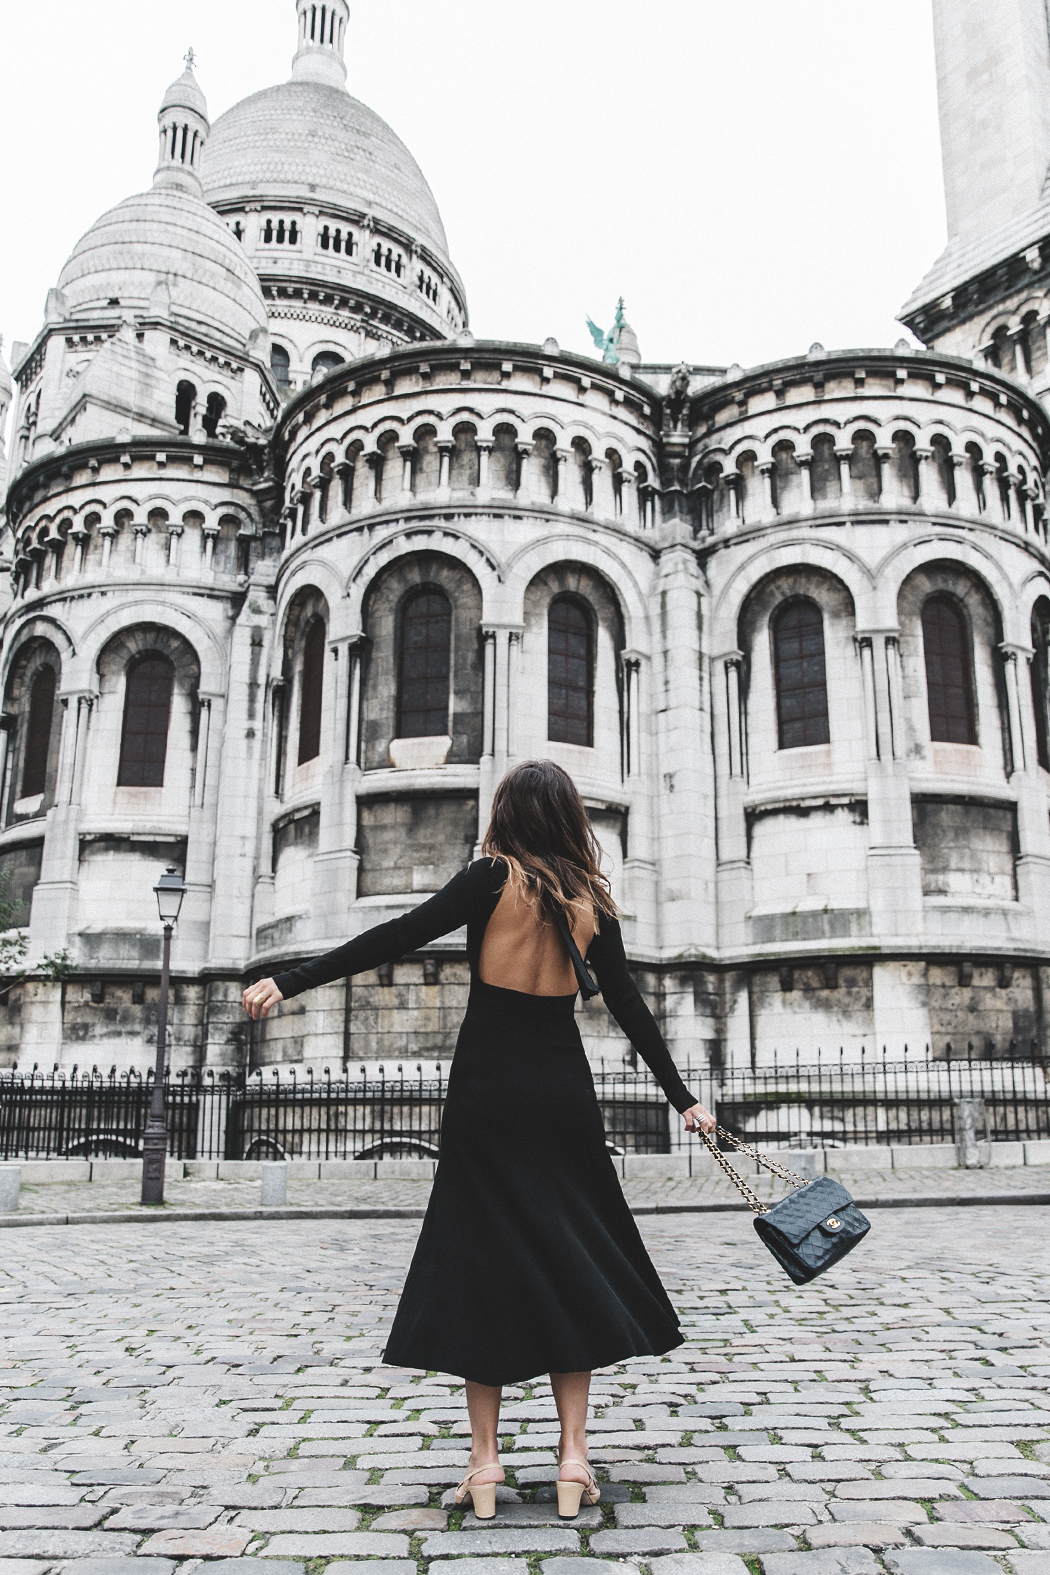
(627, 346)
(185, 93)
(309, 143)
(166, 234)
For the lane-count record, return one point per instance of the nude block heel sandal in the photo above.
(570, 1493)
(482, 1494)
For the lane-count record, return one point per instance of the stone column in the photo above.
(732, 482)
(356, 647)
(107, 532)
(889, 489)
(923, 470)
(406, 450)
(141, 534)
(603, 503)
(174, 547)
(513, 687)
(486, 767)
(484, 447)
(53, 912)
(736, 741)
(209, 531)
(844, 455)
(200, 783)
(804, 463)
(561, 455)
(894, 870)
(632, 752)
(733, 864)
(81, 537)
(336, 862)
(1033, 826)
(766, 470)
(344, 470)
(445, 447)
(627, 481)
(524, 489)
(871, 726)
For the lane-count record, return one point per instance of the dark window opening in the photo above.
(147, 708)
(425, 665)
(268, 231)
(213, 414)
(949, 690)
(280, 366)
(38, 733)
(324, 363)
(801, 680)
(570, 674)
(185, 399)
(311, 691)
(238, 230)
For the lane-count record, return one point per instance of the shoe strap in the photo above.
(570, 1461)
(492, 1466)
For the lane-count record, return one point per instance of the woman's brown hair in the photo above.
(541, 831)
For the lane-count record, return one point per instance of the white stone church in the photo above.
(297, 567)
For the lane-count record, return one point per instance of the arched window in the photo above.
(185, 399)
(946, 643)
(147, 706)
(213, 414)
(310, 691)
(280, 366)
(570, 674)
(802, 690)
(324, 363)
(38, 733)
(425, 664)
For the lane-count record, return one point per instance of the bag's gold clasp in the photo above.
(833, 1224)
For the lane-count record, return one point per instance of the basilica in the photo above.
(294, 568)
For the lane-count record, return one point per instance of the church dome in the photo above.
(165, 251)
(165, 237)
(310, 142)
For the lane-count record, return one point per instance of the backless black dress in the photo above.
(529, 1260)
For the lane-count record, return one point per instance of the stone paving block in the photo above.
(992, 1511)
(762, 1492)
(253, 1567)
(732, 1471)
(771, 1513)
(826, 1561)
(897, 1511)
(1018, 1563)
(570, 1566)
(373, 1567)
(683, 1493)
(511, 1515)
(117, 1475)
(969, 1450)
(929, 1471)
(898, 1487)
(25, 1567)
(120, 1566)
(856, 1533)
(349, 1544)
(948, 1536)
(371, 1496)
(412, 1520)
(466, 1566)
(436, 1476)
(630, 1516)
(542, 1539)
(694, 1564)
(163, 1517)
(939, 1561)
(828, 1471)
(1009, 1487)
(272, 1520)
(646, 1473)
(68, 1517)
(247, 1495)
(1034, 1537)
(639, 1542)
(65, 1544)
(34, 1493)
(221, 1542)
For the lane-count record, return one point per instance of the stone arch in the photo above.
(116, 664)
(32, 684)
(834, 560)
(474, 556)
(385, 596)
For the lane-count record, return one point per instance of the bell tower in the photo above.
(993, 93)
(322, 32)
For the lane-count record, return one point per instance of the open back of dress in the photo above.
(523, 951)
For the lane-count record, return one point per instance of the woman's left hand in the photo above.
(697, 1119)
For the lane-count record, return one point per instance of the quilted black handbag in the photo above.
(809, 1230)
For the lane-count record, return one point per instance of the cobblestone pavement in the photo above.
(215, 1392)
(121, 1196)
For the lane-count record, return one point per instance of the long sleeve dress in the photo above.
(529, 1260)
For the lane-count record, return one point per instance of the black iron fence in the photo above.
(275, 1113)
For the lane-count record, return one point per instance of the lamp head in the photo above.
(170, 890)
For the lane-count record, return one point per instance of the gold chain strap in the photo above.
(754, 1202)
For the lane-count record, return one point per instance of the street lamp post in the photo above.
(170, 890)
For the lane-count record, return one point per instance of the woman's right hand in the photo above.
(260, 998)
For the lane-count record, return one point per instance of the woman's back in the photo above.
(521, 951)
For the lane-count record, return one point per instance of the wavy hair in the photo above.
(541, 831)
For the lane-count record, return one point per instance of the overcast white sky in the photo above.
(751, 176)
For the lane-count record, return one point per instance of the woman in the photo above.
(529, 1260)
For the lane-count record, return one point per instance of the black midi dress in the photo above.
(529, 1260)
